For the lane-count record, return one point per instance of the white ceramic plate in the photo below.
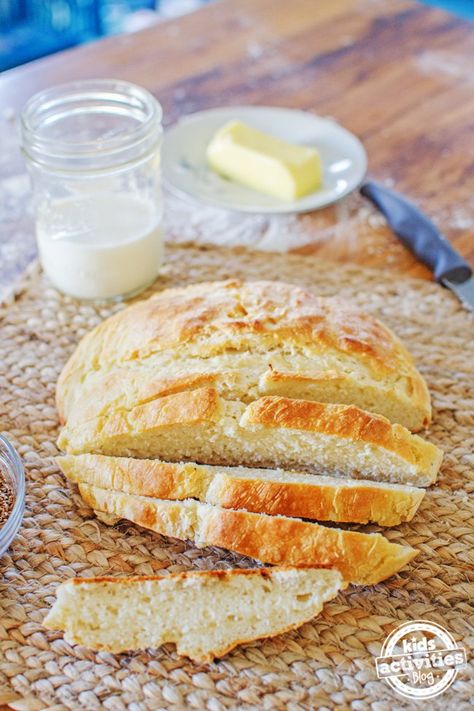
(184, 157)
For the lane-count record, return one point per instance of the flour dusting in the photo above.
(187, 220)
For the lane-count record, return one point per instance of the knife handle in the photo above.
(418, 233)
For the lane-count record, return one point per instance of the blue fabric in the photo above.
(463, 8)
(30, 29)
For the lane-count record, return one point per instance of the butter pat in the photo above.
(264, 163)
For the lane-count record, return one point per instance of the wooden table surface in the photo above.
(399, 75)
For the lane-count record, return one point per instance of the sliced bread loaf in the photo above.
(360, 557)
(201, 426)
(205, 614)
(274, 492)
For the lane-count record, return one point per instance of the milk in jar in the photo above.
(100, 246)
(93, 153)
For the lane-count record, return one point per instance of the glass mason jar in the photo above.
(93, 153)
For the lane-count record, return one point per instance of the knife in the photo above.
(424, 239)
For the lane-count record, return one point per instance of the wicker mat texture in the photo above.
(328, 663)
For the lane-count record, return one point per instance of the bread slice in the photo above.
(360, 557)
(273, 492)
(205, 614)
(320, 438)
(255, 339)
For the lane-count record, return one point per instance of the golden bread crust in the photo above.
(193, 414)
(302, 496)
(187, 574)
(346, 421)
(143, 477)
(132, 391)
(275, 376)
(361, 558)
(215, 318)
(186, 408)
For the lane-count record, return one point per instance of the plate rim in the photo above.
(267, 210)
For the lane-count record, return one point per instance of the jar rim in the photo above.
(107, 97)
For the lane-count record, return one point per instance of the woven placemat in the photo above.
(328, 663)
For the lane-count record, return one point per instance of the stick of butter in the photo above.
(264, 163)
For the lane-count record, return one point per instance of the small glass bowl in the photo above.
(12, 469)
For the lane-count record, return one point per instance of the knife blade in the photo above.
(423, 238)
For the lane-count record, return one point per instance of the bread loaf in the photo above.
(247, 340)
(273, 492)
(360, 557)
(205, 614)
(199, 425)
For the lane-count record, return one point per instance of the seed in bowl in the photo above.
(7, 499)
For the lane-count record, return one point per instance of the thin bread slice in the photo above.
(258, 490)
(259, 337)
(272, 431)
(205, 614)
(360, 557)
